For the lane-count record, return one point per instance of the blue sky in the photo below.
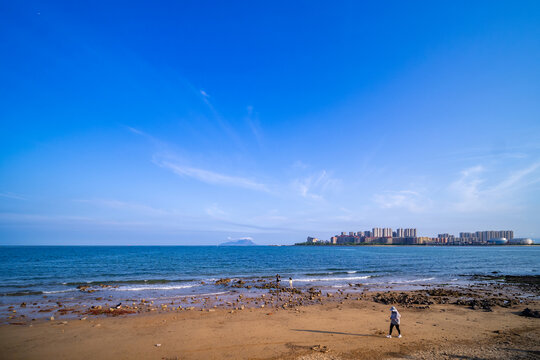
(196, 122)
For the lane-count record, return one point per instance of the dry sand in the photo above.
(355, 329)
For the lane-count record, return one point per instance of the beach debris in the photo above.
(65, 310)
(157, 345)
(320, 348)
(23, 305)
(530, 313)
(98, 310)
(51, 318)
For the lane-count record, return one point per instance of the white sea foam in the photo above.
(155, 287)
(334, 279)
(412, 281)
(58, 291)
(352, 272)
(206, 294)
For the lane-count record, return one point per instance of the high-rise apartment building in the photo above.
(410, 232)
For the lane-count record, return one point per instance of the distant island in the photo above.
(241, 242)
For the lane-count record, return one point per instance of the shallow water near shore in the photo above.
(39, 274)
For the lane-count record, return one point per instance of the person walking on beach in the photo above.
(395, 317)
(290, 282)
(278, 279)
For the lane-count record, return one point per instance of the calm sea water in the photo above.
(34, 272)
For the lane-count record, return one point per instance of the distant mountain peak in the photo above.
(240, 242)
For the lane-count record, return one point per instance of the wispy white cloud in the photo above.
(240, 238)
(136, 131)
(405, 199)
(475, 190)
(216, 212)
(222, 122)
(33, 219)
(211, 177)
(254, 125)
(10, 195)
(515, 180)
(298, 164)
(314, 186)
(123, 205)
(467, 188)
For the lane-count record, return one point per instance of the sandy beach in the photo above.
(343, 326)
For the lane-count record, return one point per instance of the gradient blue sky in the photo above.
(195, 122)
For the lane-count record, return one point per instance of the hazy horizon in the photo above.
(197, 123)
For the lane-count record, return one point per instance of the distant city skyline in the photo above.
(196, 123)
(410, 236)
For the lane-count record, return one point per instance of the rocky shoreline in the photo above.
(497, 291)
(492, 320)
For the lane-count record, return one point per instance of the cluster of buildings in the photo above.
(478, 238)
(409, 236)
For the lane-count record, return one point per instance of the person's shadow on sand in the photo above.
(331, 332)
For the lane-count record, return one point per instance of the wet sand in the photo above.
(344, 326)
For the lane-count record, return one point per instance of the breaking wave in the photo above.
(334, 278)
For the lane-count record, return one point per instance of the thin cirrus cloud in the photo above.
(474, 192)
(10, 195)
(309, 187)
(211, 177)
(314, 186)
(476, 189)
(408, 199)
(123, 205)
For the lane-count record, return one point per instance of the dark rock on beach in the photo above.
(225, 281)
(530, 313)
(404, 299)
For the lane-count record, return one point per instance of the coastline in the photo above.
(437, 322)
(69, 275)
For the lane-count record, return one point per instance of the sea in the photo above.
(33, 274)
